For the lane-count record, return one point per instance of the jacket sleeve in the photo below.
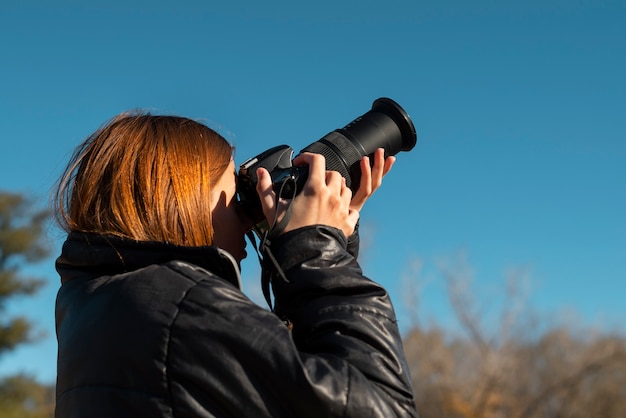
(344, 325)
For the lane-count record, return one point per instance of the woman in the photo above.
(150, 317)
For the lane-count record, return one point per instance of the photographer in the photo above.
(150, 317)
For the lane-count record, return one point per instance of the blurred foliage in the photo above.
(23, 397)
(558, 375)
(516, 365)
(21, 242)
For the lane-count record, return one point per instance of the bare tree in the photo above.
(513, 365)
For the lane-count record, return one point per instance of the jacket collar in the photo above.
(85, 253)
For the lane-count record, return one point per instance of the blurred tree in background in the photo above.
(21, 242)
(515, 365)
(23, 397)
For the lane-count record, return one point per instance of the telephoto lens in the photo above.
(386, 126)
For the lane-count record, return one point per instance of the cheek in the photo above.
(226, 227)
(231, 218)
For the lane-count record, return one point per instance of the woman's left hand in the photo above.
(371, 177)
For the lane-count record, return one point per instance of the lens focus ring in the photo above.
(339, 152)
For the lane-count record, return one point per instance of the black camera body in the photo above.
(287, 179)
(386, 126)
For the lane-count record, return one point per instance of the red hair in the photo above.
(144, 177)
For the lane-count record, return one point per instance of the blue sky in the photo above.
(520, 109)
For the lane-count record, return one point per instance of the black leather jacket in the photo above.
(156, 330)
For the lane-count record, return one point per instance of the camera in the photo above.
(386, 126)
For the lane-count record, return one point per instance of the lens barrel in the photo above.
(386, 126)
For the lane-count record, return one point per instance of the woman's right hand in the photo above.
(324, 199)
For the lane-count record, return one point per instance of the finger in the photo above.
(265, 191)
(378, 169)
(335, 184)
(389, 162)
(317, 167)
(382, 166)
(335, 181)
(365, 188)
(346, 193)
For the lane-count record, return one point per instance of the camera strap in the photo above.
(265, 273)
(264, 251)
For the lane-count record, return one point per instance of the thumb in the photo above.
(266, 193)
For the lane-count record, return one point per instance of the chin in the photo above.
(239, 255)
